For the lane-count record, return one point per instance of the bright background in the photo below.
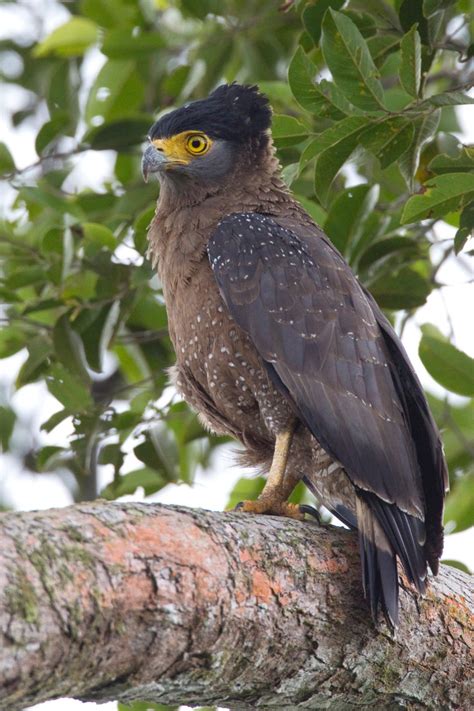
(27, 491)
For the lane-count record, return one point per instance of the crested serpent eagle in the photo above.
(278, 344)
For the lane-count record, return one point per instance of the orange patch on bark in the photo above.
(245, 556)
(262, 587)
(330, 565)
(201, 562)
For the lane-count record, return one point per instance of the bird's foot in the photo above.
(274, 507)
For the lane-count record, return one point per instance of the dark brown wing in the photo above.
(313, 323)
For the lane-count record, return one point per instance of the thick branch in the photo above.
(105, 601)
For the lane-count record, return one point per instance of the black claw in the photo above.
(238, 507)
(311, 511)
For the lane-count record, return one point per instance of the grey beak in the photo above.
(152, 161)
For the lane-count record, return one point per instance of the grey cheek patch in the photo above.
(216, 163)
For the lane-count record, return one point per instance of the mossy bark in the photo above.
(138, 601)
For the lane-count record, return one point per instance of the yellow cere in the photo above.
(181, 147)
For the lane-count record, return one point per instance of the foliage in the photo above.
(365, 97)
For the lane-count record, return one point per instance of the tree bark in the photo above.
(121, 601)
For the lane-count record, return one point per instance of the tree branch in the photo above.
(105, 601)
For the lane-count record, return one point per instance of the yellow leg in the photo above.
(279, 484)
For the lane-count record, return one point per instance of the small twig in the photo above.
(43, 159)
(446, 254)
(142, 336)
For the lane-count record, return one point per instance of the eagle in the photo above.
(279, 345)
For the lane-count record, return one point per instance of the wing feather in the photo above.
(335, 355)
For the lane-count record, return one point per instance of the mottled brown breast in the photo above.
(218, 369)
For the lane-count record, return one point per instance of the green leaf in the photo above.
(148, 312)
(381, 45)
(123, 44)
(287, 127)
(46, 196)
(404, 289)
(98, 334)
(110, 14)
(460, 238)
(70, 349)
(80, 286)
(443, 163)
(324, 98)
(290, 173)
(410, 13)
(363, 21)
(348, 214)
(69, 40)
(450, 98)
(466, 228)
(7, 424)
(55, 420)
(117, 92)
(147, 453)
(450, 367)
(430, 7)
(315, 211)
(12, 340)
(132, 362)
(112, 454)
(456, 425)
(147, 706)
(460, 504)
(99, 234)
(69, 390)
(380, 10)
(7, 164)
(60, 121)
(442, 194)
(118, 134)
(424, 129)
(333, 147)
(25, 277)
(410, 66)
(383, 247)
(39, 350)
(349, 60)
(140, 227)
(127, 484)
(388, 140)
(47, 458)
(313, 14)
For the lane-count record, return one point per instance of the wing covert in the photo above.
(309, 317)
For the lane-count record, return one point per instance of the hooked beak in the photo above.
(153, 161)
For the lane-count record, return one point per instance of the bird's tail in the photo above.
(385, 533)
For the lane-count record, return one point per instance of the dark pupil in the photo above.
(196, 143)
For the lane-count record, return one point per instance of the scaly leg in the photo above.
(279, 484)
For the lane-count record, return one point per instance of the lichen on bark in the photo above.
(138, 601)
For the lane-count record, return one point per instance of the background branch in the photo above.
(105, 601)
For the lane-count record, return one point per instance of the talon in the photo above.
(271, 508)
(311, 511)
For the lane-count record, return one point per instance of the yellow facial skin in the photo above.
(182, 148)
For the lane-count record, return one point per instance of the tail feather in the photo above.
(406, 536)
(379, 565)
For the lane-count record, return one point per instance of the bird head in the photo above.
(204, 139)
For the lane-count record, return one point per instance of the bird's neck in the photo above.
(187, 214)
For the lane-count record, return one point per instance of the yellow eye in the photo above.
(197, 144)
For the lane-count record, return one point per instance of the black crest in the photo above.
(233, 112)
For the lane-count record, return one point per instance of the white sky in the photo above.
(211, 490)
